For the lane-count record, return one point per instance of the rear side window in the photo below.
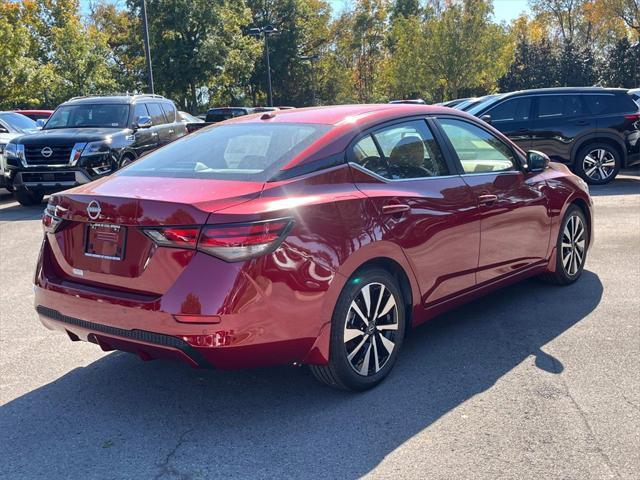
(513, 110)
(169, 112)
(157, 116)
(604, 104)
(234, 152)
(559, 106)
(408, 151)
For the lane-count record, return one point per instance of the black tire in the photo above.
(598, 163)
(126, 160)
(564, 275)
(27, 198)
(368, 346)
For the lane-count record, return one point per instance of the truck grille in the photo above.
(59, 156)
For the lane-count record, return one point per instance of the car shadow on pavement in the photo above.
(626, 185)
(122, 418)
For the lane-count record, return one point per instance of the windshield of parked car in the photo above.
(246, 151)
(18, 122)
(89, 115)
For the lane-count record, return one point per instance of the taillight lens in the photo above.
(231, 242)
(180, 237)
(240, 242)
(633, 117)
(50, 223)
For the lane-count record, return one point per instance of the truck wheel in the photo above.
(27, 198)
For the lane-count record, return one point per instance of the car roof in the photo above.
(564, 90)
(32, 111)
(337, 115)
(117, 99)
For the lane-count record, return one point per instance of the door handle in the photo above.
(395, 208)
(487, 199)
(170, 131)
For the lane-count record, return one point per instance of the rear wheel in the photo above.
(27, 198)
(126, 160)
(598, 163)
(571, 248)
(367, 330)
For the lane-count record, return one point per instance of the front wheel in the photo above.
(367, 330)
(598, 163)
(571, 248)
(27, 198)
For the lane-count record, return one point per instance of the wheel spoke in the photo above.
(351, 333)
(364, 369)
(602, 174)
(380, 294)
(366, 294)
(356, 308)
(566, 259)
(357, 349)
(589, 160)
(600, 154)
(376, 360)
(388, 344)
(591, 171)
(609, 163)
(391, 302)
(389, 326)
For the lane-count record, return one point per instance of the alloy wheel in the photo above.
(573, 245)
(370, 329)
(599, 164)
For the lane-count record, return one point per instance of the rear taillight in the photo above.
(231, 242)
(50, 222)
(181, 237)
(634, 117)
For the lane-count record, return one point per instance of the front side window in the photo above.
(408, 151)
(89, 115)
(551, 107)
(478, 150)
(157, 115)
(514, 110)
(234, 152)
(140, 110)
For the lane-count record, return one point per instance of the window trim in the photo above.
(371, 131)
(519, 161)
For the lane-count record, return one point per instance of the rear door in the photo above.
(560, 120)
(515, 222)
(513, 118)
(160, 124)
(423, 205)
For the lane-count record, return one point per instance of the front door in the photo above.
(422, 205)
(513, 118)
(515, 222)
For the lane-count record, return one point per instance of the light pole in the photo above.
(147, 50)
(266, 32)
(312, 59)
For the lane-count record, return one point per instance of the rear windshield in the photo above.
(89, 115)
(235, 152)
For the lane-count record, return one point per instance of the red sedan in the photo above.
(319, 236)
(36, 114)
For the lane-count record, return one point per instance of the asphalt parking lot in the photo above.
(530, 382)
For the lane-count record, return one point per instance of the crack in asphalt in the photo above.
(165, 466)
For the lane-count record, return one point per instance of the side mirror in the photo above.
(486, 118)
(537, 161)
(40, 122)
(144, 122)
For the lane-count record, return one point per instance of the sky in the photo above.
(503, 10)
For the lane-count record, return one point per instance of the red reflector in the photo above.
(634, 117)
(197, 318)
(218, 339)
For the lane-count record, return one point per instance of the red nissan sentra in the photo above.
(318, 236)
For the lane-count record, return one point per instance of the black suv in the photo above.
(86, 138)
(594, 130)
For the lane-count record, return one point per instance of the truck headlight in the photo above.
(97, 148)
(14, 151)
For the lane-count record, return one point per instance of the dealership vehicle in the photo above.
(594, 130)
(191, 122)
(87, 138)
(35, 115)
(320, 236)
(12, 125)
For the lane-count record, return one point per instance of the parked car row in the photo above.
(595, 131)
